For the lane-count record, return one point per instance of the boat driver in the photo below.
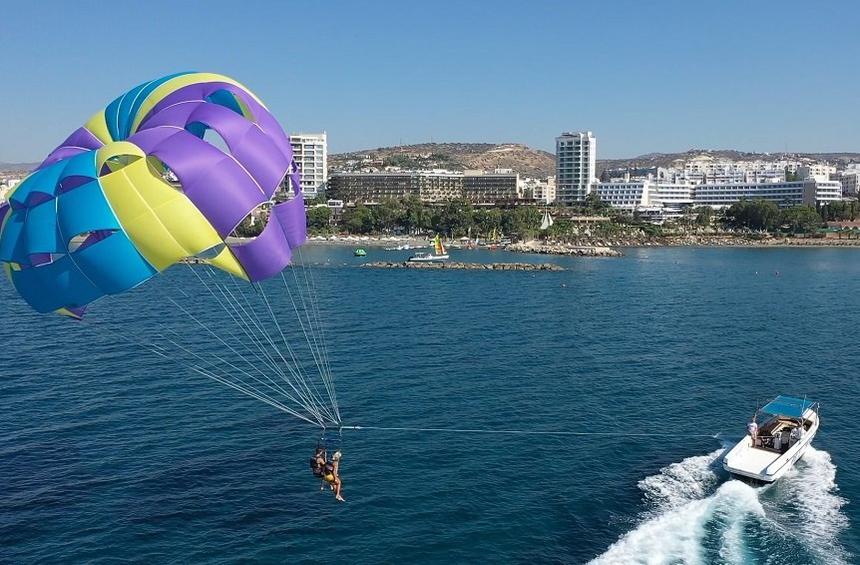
(796, 434)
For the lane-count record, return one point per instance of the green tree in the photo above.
(416, 215)
(704, 215)
(455, 218)
(358, 219)
(523, 221)
(245, 229)
(388, 215)
(843, 210)
(594, 205)
(753, 214)
(488, 220)
(800, 219)
(319, 218)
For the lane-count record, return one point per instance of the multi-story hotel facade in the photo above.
(430, 187)
(575, 166)
(310, 152)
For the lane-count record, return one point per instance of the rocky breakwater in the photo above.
(464, 266)
(548, 248)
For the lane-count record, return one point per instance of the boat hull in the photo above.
(766, 466)
(428, 259)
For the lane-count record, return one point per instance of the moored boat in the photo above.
(439, 253)
(777, 438)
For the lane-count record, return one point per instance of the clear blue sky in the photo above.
(644, 76)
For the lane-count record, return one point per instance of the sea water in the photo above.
(108, 452)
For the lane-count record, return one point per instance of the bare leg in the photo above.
(337, 486)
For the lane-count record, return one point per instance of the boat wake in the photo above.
(695, 516)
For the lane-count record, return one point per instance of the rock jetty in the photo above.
(464, 266)
(545, 248)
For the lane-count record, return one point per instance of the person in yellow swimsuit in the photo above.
(332, 475)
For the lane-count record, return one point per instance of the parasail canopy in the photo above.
(138, 188)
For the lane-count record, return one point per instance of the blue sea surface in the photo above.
(111, 453)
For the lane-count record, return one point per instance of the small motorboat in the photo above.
(424, 257)
(360, 252)
(777, 438)
(439, 253)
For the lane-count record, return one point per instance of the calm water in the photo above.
(110, 453)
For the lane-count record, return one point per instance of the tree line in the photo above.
(454, 218)
(764, 215)
(459, 217)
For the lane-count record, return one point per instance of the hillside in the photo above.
(537, 163)
(669, 159)
(522, 159)
(18, 167)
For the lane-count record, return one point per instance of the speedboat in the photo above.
(777, 438)
(424, 257)
(439, 253)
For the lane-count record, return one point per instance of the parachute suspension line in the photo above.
(248, 314)
(321, 327)
(296, 368)
(270, 361)
(244, 388)
(308, 272)
(251, 336)
(274, 387)
(530, 432)
(307, 331)
(322, 349)
(267, 400)
(240, 315)
(311, 341)
(237, 353)
(335, 419)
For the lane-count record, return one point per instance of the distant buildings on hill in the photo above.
(661, 194)
(7, 183)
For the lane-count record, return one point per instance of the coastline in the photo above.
(610, 247)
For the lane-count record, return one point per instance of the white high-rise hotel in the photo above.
(575, 166)
(310, 152)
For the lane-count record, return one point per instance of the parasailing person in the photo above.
(138, 189)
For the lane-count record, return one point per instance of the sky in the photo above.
(658, 76)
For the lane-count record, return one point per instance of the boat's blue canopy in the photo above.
(787, 406)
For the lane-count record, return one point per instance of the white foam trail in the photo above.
(686, 514)
(675, 536)
(674, 526)
(807, 504)
(679, 483)
(733, 549)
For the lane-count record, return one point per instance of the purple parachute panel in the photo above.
(81, 141)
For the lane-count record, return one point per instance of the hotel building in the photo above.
(850, 180)
(784, 194)
(576, 166)
(660, 201)
(430, 187)
(310, 151)
(480, 187)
